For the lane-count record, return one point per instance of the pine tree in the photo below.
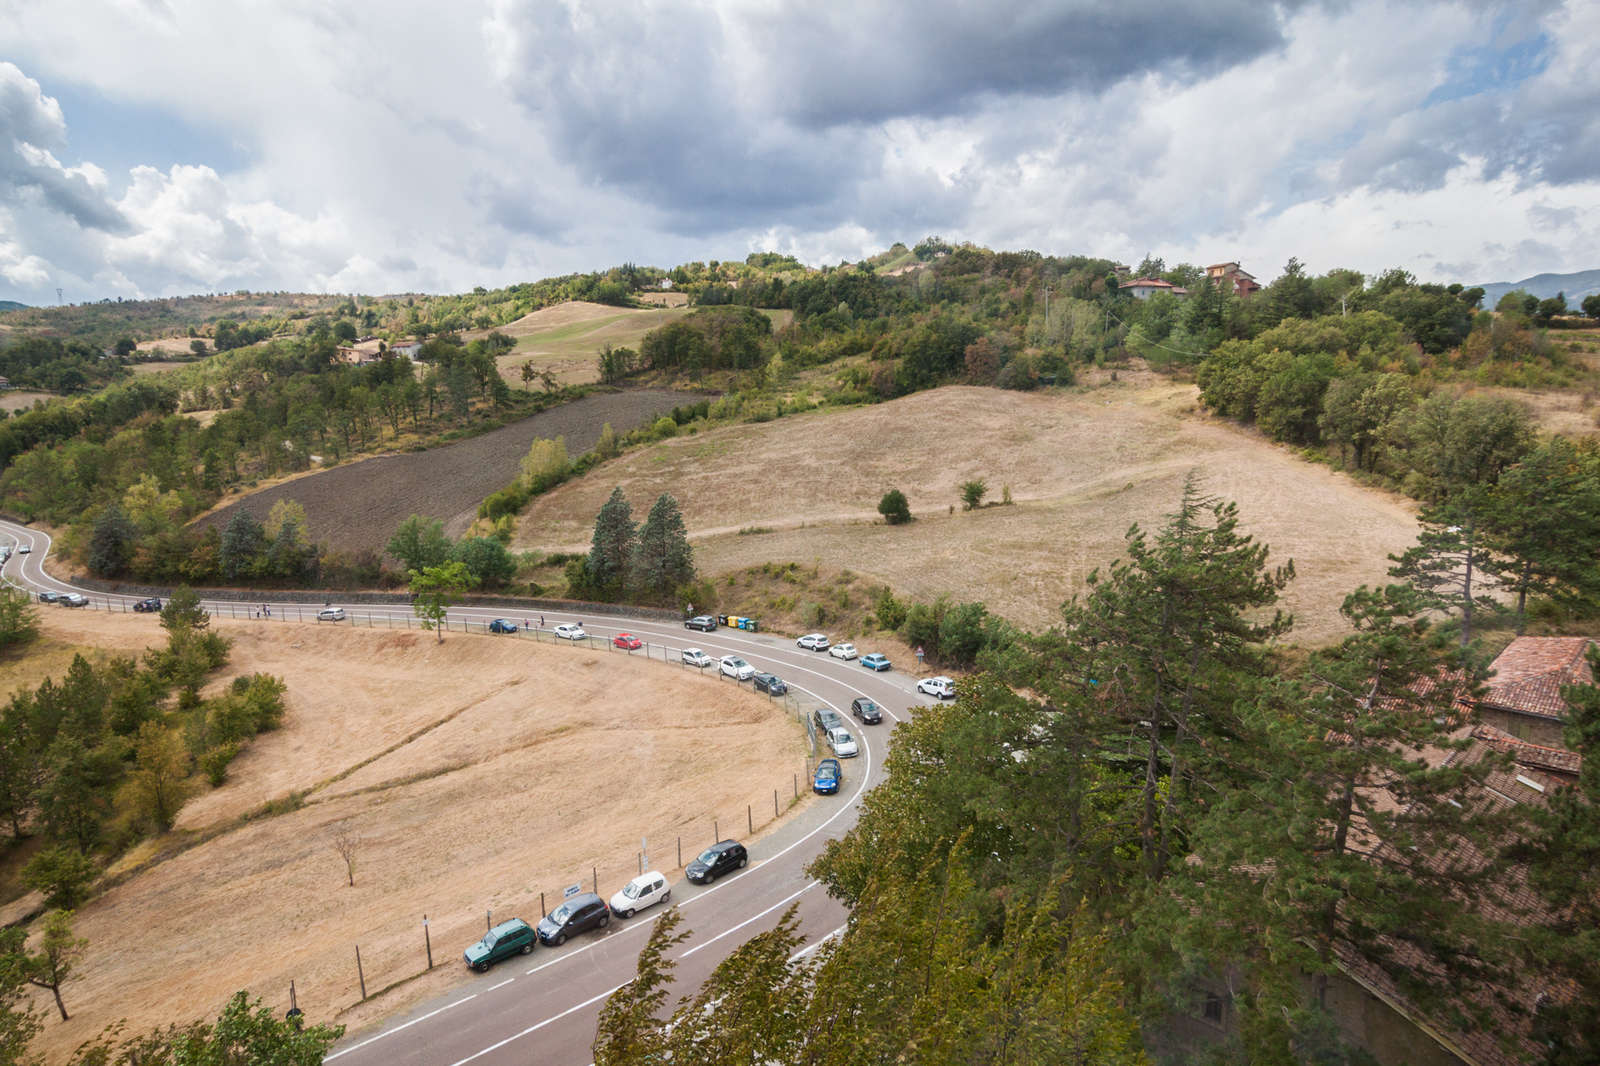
(662, 558)
(1350, 838)
(1165, 642)
(111, 543)
(242, 542)
(1451, 565)
(611, 552)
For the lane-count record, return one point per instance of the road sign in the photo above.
(571, 890)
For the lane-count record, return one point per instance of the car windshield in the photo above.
(843, 738)
(489, 939)
(561, 913)
(634, 890)
(737, 662)
(709, 856)
(868, 705)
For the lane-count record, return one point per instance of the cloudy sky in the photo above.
(160, 147)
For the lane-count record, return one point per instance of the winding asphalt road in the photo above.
(542, 1007)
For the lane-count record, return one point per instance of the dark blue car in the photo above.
(500, 625)
(828, 777)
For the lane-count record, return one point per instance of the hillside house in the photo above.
(409, 349)
(1524, 698)
(1244, 284)
(1144, 288)
(357, 356)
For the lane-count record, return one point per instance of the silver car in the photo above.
(737, 668)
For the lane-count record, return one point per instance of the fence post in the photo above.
(680, 853)
(775, 799)
(541, 905)
(594, 871)
(426, 939)
(360, 976)
(796, 786)
(750, 817)
(488, 925)
(716, 831)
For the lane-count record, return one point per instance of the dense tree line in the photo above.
(627, 561)
(58, 366)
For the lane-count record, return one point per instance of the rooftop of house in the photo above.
(1549, 760)
(1528, 675)
(1149, 283)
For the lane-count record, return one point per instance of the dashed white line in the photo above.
(396, 1029)
(502, 984)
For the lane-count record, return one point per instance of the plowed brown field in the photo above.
(477, 773)
(359, 505)
(1082, 467)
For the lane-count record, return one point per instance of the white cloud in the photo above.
(433, 147)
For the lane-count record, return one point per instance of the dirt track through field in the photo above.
(542, 763)
(1082, 468)
(358, 505)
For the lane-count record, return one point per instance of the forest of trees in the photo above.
(1150, 804)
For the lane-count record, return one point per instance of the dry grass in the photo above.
(565, 338)
(21, 399)
(1082, 467)
(484, 771)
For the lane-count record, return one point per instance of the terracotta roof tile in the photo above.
(1557, 760)
(1528, 675)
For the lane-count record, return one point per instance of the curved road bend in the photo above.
(543, 1006)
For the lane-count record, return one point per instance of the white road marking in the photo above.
(502, 984)
(534, 1028)
(747, 921)
(397, 1028)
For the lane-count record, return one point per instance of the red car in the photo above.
(627, 640)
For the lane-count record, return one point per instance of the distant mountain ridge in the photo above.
(11, 305)
(1576, 286)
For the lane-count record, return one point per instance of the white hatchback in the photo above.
(843, 651)
(814, 641)
(737, 668)
(643, 891)
(571, 631)
(843, 744)
(696, 657)
(331, 614)
(942, 687)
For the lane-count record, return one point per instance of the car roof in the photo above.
(581, 899)
(506, 927)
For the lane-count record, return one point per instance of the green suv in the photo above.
(504, 940)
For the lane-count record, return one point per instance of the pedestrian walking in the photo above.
(541, 621)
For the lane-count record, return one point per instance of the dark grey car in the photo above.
(581, 913)
(723, 857)
(866, 710)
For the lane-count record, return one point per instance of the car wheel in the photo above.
(666, 895)
(742, 862)
(561, 938)
(628, 913)
(709, 877)
(605, 920)
(482, 967)
(527, 949)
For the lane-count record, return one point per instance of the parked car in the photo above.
(827, 778)
(331, 614)
(875, 661)
(704, 622)
(696, 657)
(627, 640)
(581, 913)
(827, 718)
(769, 684)
(25, 549)
(571, 631)
(148, 606)
(843, 744)
(643, 891)
(843, 651)
(504, 940)
(814, 641)
(942, 687)
(723, 857)
(866, 710)
(73, 599)
(737, 668)
(49, 597)
(500, 625)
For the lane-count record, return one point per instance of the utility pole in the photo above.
(58, 297)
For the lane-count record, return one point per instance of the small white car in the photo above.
(942, 687)
(571, 631)
(843, 651)
(25, 549)
(843, 744)
(643, 891)
(814, 641)
(696, 657)
(331, 614)
(737, 668)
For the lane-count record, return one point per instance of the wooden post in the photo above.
(426, 939)
(750, 817)
(362, 977)
(716, 831)
(680, 853)
(594, 871)
(541, 905)
(487, 924)
(775, 802)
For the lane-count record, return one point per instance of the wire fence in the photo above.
(387, 953)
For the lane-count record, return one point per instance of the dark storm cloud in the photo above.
(720, 115)
(30, 128)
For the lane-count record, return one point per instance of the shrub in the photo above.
(891, 613)
(972, 494)
(62, 874)
(215, 763)
(894, 507)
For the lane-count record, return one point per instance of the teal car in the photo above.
(504, 940)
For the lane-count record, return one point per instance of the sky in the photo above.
(168, 147)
